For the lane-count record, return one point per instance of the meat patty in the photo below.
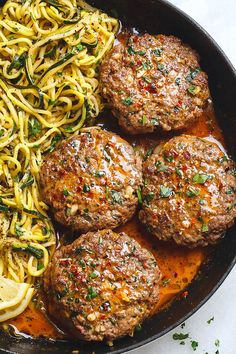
(189, 192)
(102, 285)
(154, 81)
(91, 180)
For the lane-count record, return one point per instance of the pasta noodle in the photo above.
(49, 57)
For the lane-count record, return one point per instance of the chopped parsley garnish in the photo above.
(131, 51)
(1, 132)
(86, 188)
(217, 343)
(160, 66)
(210, 320)
(178, 81)
(194, 90)
(162, 168)
(154, 121)
(91, 294)
(66, 192)
(157, 52)
(139, 194)
(106, 155)
(200, 178)
(205, 227)
(165, 282)
(165, 192)
(201, 202)
(94, 274)
(169, 158)
(99, 173)
(144, 120)
(179, 172)
(223, 159)
(116, 197)
(180, 336)
(148, 154)
(127, 101)
(191, 192)
(230, 190)
(193, 74)
(194, 344)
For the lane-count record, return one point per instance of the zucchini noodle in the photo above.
(49, 58)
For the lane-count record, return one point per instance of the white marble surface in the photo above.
(219, 19)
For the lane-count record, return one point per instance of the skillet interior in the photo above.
(156, 16)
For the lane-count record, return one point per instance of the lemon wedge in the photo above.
(14, 298)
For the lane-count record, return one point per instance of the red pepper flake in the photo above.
(184, 294)
(180, 103)
(65, 262)
(151, 88)
(186, 155)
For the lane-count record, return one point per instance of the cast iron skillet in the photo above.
(158, 16)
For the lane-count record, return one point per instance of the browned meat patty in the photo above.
(154, 81)
(91, 180)
(102, 285)
(189, 192)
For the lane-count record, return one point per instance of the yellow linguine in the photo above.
(49, 56)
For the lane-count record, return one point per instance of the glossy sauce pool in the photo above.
(178, 265)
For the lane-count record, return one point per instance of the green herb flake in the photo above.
(217, 343)
(200, 178)
(210, 320)
(92, 294)
(116, 197)
(178, 81)
(1, 132)
(165, 192)
(223, 159)
(139, 195)
(205, 227)
(160, 66)
(127, 101)
(194, 344)
(201, 202)
(165, 282)
(66, 192)
(94, 274)
(157, 52)
(155, 122)
(99, 173)
(180, 336)
(191, 192)
(86, 188)
(194, 90)
(144, 120)
(148, 154)
(40, 266)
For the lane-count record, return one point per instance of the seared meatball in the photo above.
(102, 285)
(91, 180)
(189, 192)
(154, 81)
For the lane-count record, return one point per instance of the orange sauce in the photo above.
(178, 265)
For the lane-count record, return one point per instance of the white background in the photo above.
(218, 17)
